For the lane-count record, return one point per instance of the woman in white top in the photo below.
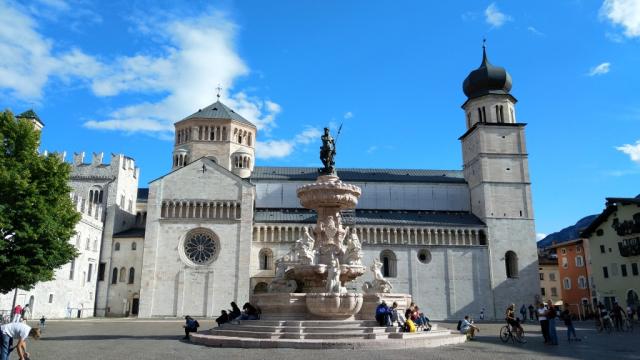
(544, 323)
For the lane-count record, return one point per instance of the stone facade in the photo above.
(210, 230)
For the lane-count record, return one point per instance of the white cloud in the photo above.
(540, 236)
(625, 13)
(348, 115)
(535, 31)
(601, 69)
(494, 17)
(27, 59)
(282, 148)
(632, 150)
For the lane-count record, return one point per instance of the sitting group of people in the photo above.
(411, 321)
(248, 312)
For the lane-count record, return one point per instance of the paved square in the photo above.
(161, 339)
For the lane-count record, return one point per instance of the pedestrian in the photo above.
(16, 331)
(482, 314)
(532, 310)
(26, 312)
(523, 313)
(617, 312)
(17, 313)
(551, 315)
(568, 322)
(544, 324)
(42, 323)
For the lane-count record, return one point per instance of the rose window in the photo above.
(200, 248)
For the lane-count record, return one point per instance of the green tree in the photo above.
(37, 217)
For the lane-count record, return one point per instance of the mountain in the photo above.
(567, 234)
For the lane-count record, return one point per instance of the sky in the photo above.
(114, 76)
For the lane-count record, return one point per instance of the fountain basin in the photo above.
(328, 191)
(313, 278)
(334, 306)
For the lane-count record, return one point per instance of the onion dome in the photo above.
(487, 79)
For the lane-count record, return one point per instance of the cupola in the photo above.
(487, 79)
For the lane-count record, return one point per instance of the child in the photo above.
(42, 321)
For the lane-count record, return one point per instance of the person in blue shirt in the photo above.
(383, 314)
(191, 325)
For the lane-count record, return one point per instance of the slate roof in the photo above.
(218, 110)
(143, 194)
(130, 233)
(379, 217)
(355, 174)
(30, 114)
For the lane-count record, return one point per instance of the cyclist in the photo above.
(512, 320)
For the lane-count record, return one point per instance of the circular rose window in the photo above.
(201, 247)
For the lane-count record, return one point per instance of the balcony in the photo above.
(629, 247)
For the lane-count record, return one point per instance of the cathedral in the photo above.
(209, 231)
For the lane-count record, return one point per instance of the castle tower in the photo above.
(497, 171)
(219, 133)
(33, 117)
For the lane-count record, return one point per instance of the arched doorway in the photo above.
(632, 298)
(135, 305)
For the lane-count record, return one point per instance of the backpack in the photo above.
(459, 325)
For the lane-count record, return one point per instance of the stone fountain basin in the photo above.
(334, 306)
(319, 272)
(329, 191)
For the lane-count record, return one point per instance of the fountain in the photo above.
(310, 280)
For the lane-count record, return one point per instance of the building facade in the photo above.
(614, 245)
(208, 232)
(573, 267)
(550, 285)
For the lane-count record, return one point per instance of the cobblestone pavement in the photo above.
(161, 339)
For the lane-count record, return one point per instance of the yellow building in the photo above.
(614, 242)
(550, 286)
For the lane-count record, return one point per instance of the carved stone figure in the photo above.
(353, 253)
(328, 153)
(333, 277)
(379, 283)
(280, 284)
(303, 248)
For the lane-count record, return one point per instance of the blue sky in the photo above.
(114, 76)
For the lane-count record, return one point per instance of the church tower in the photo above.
(219, 133)
(497, 171)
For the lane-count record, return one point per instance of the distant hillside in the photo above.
(568, 233)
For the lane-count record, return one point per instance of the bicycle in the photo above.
(516, 336)
(607, 325)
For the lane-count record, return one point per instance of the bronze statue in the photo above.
(328, 154)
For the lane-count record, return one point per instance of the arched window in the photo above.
(566, 282)
(265, 258)
(132, 275)
(261, 287)
(134, 246)
(117, 247)
(579, 261)
(114, 276)
(123, 274)
(95, 245)
(511, 264)
(389, 267)
(87, 245)
(582, 282)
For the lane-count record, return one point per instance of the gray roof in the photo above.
(375, 217)
(130, 233)
(354, 174)
(218, 110)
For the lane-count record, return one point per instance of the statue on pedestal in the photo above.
(328, 154)
(303, 248)
(333, 278)
(379, 284)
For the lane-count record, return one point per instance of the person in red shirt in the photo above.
(17, 313)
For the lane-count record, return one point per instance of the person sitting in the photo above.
(223, 318)
(235, 311)
(249, 312)
(383, 314)
(420, 319)
(510, 318)
(409, 325)
(467, 328)
(396, 317)
(191, 325)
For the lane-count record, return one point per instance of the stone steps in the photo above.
(321, 334)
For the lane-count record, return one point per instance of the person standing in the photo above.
(17, 313)
(568, 322)
(16, 331)
(523, 313)
(551, 315)
(544, 324)
(532, 310)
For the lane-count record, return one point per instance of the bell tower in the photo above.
(497, 171)
(219, 133)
